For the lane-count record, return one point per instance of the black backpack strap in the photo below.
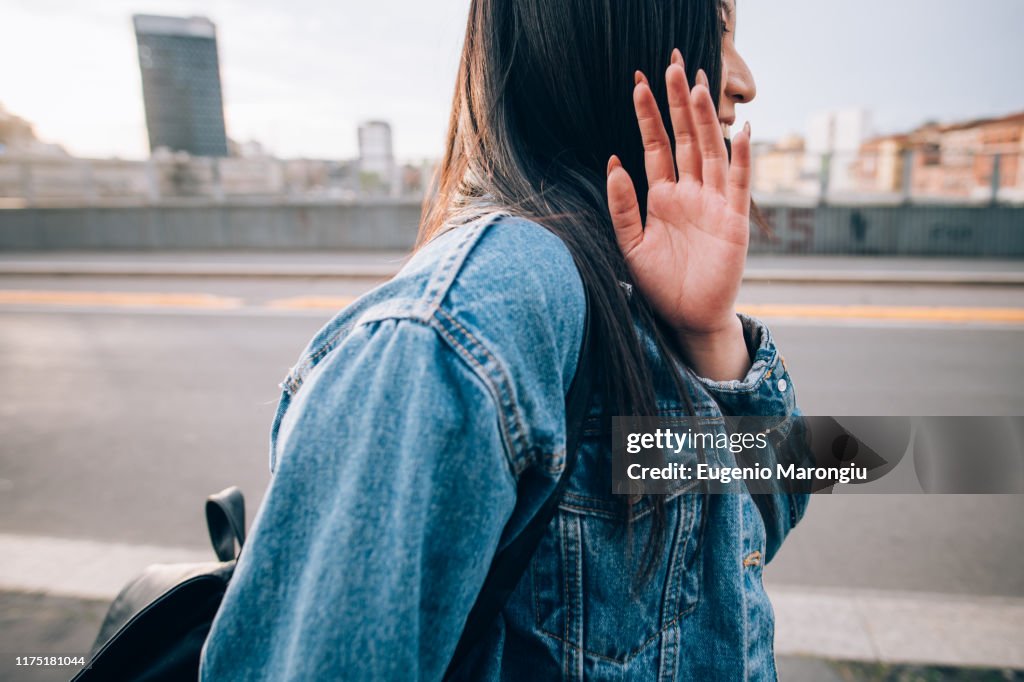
(225, 517)
(510, 564)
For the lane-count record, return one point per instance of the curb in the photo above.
(869, 626)
(376, 272)
(922, 277)
(383, 272)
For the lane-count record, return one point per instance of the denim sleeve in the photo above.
(390, 495)
(766, 391)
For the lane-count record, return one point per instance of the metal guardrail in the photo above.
(780, 176)
(48, 181)
(887, 177)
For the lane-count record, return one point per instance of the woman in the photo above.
(423, 426)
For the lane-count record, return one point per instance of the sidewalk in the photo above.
(384, 264)
(53, 593)
(40, 624)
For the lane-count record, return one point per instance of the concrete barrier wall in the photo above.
(383, 225)
(995, 231)
(906, 230)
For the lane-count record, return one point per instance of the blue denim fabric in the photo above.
(419, 432)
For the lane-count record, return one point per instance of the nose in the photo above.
(739, 81)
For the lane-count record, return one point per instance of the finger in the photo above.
(714, 159)
(739, 173)
(679, 107)
(657, 150)
(623, 207)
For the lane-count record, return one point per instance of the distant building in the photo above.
(416, 177)
(880, 164)
(837, 132)
(833, 142)
(955, 161)
(18, 138)
(779, 168)
(181, 84)
(376, 157)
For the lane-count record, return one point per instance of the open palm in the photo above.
(687, 257)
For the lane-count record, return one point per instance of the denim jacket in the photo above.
(419, 432)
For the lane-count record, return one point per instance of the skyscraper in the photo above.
(181, 84)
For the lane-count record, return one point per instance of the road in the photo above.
(119, 419)
(128, 400)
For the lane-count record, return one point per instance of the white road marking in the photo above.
(857, 625)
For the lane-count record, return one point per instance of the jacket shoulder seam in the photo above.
(486, 365)
(420, 308)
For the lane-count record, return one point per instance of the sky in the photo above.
(299, 75)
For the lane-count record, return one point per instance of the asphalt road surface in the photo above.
(127, 401)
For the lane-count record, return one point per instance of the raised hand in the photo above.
(688, 257)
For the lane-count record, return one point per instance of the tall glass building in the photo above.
(181, 84)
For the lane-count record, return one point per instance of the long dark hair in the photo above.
(543, 98)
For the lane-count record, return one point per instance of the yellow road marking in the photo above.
(901, 313)
(127, 299)
(333, 303)
(311, 302)
(880, 312)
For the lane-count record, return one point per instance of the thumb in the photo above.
(623, 207)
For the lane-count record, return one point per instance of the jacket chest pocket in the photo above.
(588, 588)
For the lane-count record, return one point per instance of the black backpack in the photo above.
(156, 626)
